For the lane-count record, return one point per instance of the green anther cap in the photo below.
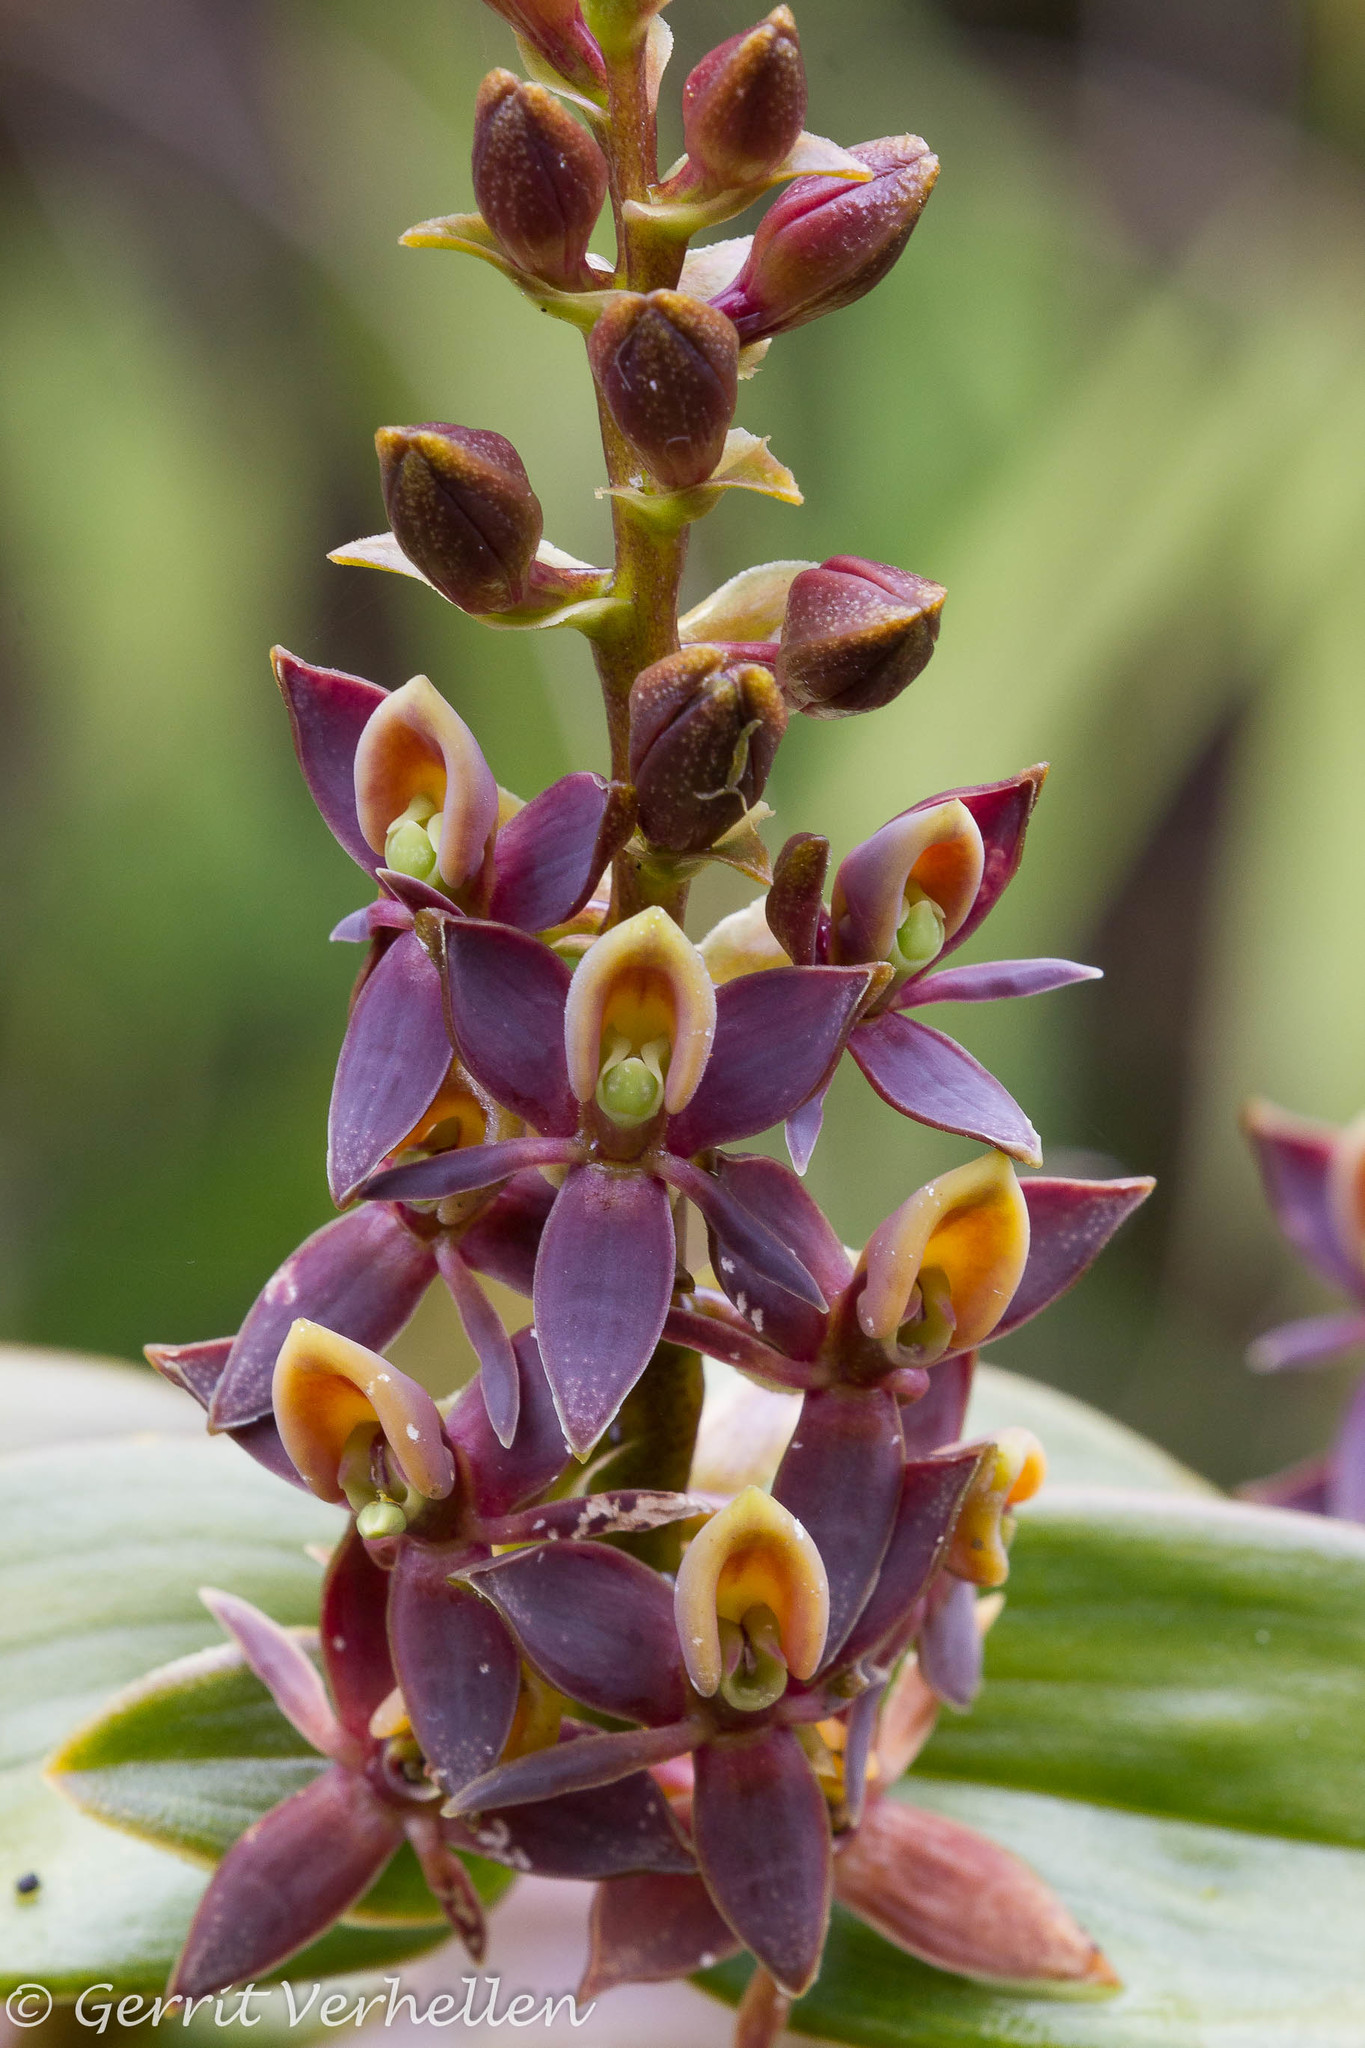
(755, 1669)
(920, 937)
(381, 1518)
(408, 851)
(630, 1092)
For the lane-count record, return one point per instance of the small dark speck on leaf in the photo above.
(27, 1884)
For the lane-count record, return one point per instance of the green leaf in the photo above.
(1084, 1447)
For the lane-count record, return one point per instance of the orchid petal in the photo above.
(596, 1623)
(507, 997)
(991, 981)
(575, 1767)
(928, 1076)
(549, 858)
(841, 1478)
(285, 1881)
(505, 1238)
(646, 963)
(763, 1845)
(1317, 1340)
(449, 1883)
(196, 1369)
(362, 1276)
(932, 1491)
(328, 711)
(740, 1234)
(860, 1730)
(940, 1415)
(601, 1833)
(795, 903)
(417, 745)
(454, 1661)
(769, 1192)
(286, 1671)
(802, 1130)
(624, 1512)
(715, 1337)
(778, 1036)
(494, 1479)
(492, 1346)
(949, 1646)
(468, 1167)
(972, 1226)
(1070, 1223)
(604, 1279)
(394, 1058)
(1002, 811)
(353, 1630)
(1296, 1159)
(651, 1929)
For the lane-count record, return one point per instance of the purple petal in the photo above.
(504, 1241)
(860, 1730)
(802, 1130)
(362, 1276)
(461, 1171)
(604, 1832)
(603, 1283)
(740, 1234)
(932, 1491)
(575, 1767)
(1070, 1223)
(939, 1416)
(778, 1036)
(650, 1929)
(1002, 811)
(992, 980)
(492, 1345)
(448, 1881)
(495, 1478)
(1295, 1158)
(715, 1337)
(409, 896)
(795, 906)
(769, 1192)
(549, 858)
(1316, 1340)
(930, 1077)
(328, 711)
(196, 1369)
(1305, 1486)
(286, 1671)
(624, 1512)
(596, 1623)
(353, 1627)
(456, 1664)
(394, 1057)
(763, 1844)
(507, 996)
(286, 1880)
(357, 927)
(841, 1477)
(1346, 1486)
(950, 1646)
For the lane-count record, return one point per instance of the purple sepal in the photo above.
(778, 1035)
(328, 711)
(505, 1239)
(461, 1171)
(495, 1479)
(410, 895)
(802, 1130)
(794, 906)
(196, 1369)
(1305, 1486)
(950, 1652)
(603, 1283)
(940, 1415)
(649, 1929)
(492, 1346)
(1002, 811)
(714, 1337)
(367, 922)
(763, 1844)
(990, 981)
(742, 1235)
(362, 1276)
(1070, 1223)
(1317, 1340)
(1295, 1161)
(596, 1623)
(928, 1076)
(286, 1880)
(605, 1832)
(860, 1730)
(841, 1478)
(769, 1192)
(353, 1629)
(394, 1057)
(507, 996)
(550, 857)
(576, 1767)
(932, 1491)
(457, 1665)
(624, 1512)
(1346, 1480)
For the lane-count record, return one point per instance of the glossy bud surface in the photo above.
(855, 635)
(703, 733)
(539, 178)
(462, 509)
(667, 366)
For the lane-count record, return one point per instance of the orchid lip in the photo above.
(642, 985)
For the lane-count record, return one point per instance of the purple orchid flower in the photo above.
(630, 1072)
(1314, 1177)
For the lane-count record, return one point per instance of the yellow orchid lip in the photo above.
(418, 767)
(753, 1554)
(641, 983)
(327, 1386)
(1011, 1472)
(970, 1228)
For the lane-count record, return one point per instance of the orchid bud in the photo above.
(855, 635)
(462, 509)
(745, 104)
(667, 366)
(556, 30)
(539, 178)
(941, 1271)
(703, 733)
(639, 1021)
(1011, 1472)
(826, 242)
(742, 943)
(345, 1415)
(902, 894)
(751, 1603)
(425, 796)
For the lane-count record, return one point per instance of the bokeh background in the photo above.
(1113, 397)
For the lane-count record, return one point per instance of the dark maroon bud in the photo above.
(703, 733)
(855, 634)
(556, 30)
(745, 104)
(826, 242)
(795, 904)
(667, 366)
(461, 507)
(539, 178)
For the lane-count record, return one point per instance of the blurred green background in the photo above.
(1114, 398)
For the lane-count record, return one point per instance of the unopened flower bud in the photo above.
(745, 103)
(703, 733)
(826, 242)
(854, 635)
(751, 1602)
(539, 178)
(461, 507)
(556, 30)
(1011, 1472)
(667, 366)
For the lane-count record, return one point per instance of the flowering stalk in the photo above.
(542, 1073)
